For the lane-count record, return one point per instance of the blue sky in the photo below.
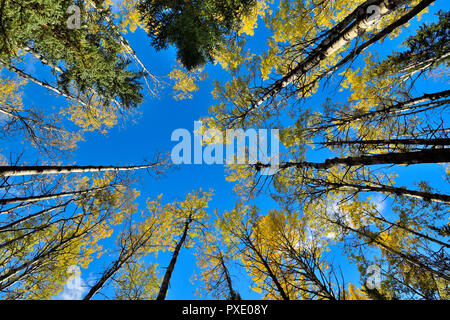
(152, 131)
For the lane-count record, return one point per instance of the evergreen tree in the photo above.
(196, 27)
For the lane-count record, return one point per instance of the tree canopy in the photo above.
(356, 209)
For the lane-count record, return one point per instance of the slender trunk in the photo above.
(413, 65)
(342, 34)
(310, 270)
(232, 294)
(390, 275)
(383, 33)
(41, 58)
(47, 197)
(8, 280)
(58, 69)
(106, 276)
(165, 283)
(8, 227)
(14, 171)
(268, 269)
(426, 196)
(421, 235)
(125, 255)
(34, 122)
(411, 260)
(42, 83)
(128, 49)
(405, 158)
(415, 103)
(423, 66)
(5, 281)
(39, 228)
(10, 114)
(424, 142)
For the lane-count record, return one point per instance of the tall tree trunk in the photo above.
(232, 294)
(408, 258)
(8, 227)
(310, 271)
(41, 58)
(406, 158)
(414, 69)
(58, 69)
(6, 280)
(387, 142)
(165, 283)
(426, 196)
(429, 100)
(47, 197)
(421, 235)
(125, 255)
(129, 50)
(13, 171)
(24, 120)
(42, 83)
(383, 33)
(268, 269)
(105, 277)
(338, 37)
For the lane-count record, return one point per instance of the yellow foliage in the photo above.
(92, 118)
(249, 21)
(185, 82)
(131, 18)
(355, 294)
(10, 96)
